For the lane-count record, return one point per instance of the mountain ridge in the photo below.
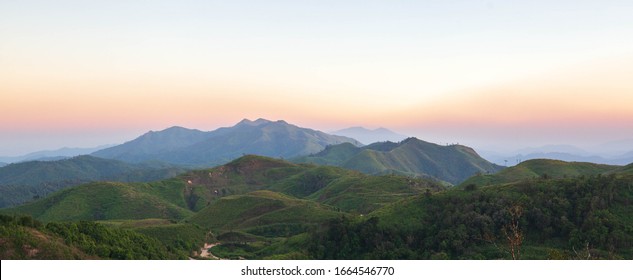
(184, 146)
(411, 156)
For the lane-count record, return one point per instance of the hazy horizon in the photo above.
(119, 138)
(489, 74)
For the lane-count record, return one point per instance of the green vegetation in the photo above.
(184, 238)
(411, 157)
(574, 218)
(110, 243)
(102, 201)
(540, 168)
(25, 238)
(262, 213)
(22, 182)
(263, 208)
(363, 194)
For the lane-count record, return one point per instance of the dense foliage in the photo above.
(22, 237)
(182, 238)
(109, 243)
(588, 217)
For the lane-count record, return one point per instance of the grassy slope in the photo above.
(537, 168)
(102, 201)
(21, 182)
(363, 194)
(179, 197)
(344, 189)
(263, 213)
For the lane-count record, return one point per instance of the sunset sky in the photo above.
(504, 74)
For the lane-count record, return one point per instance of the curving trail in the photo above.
(205, 251)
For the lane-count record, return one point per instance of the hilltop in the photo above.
(540, 168)
(412, 157)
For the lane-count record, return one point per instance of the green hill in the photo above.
(102, 201)
(353, 192)
(22, 182)
(179, 197)
(540, 168)
(625, 170)
(344, 189)
(263, 213)
(411, 157)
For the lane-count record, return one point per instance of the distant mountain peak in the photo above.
(367, 136)
(256, 122)
(176, 128)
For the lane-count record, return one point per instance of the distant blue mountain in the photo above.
(191, 147)
(49, 155)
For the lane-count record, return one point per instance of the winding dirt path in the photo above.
(205, 251)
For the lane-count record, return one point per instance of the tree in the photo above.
(513, 233)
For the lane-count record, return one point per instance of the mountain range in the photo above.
(191, 147)
(158, 155)
(50, 155)
(368, 136)
(412, 157)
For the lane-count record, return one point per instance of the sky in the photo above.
(491, 74)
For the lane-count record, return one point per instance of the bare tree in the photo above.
(513, 233)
